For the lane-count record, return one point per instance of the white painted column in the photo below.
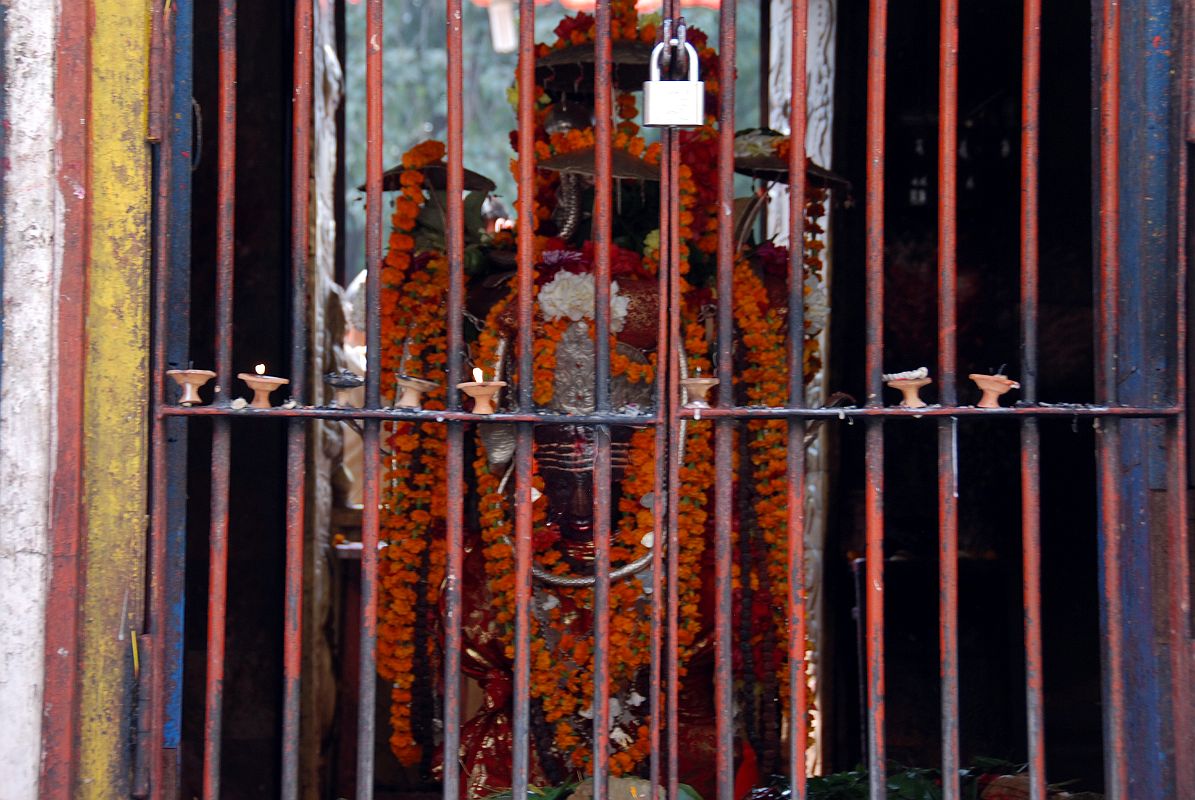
(31, 223)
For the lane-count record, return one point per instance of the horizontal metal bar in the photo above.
(739, 412)
(325, 412)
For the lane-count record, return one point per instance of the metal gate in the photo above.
(1130, 417)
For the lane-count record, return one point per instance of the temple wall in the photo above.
(30, 221)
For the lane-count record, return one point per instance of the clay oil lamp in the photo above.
(992, 387)
(698, 389)
(483, 392)
(190, 380)
(262, 385)
(909, 384)
(343, 382)
(413, 390)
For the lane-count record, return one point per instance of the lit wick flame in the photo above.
(260, 369)
(477, 374)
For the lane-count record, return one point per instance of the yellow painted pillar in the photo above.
(115, 392)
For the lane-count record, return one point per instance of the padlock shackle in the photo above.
(653, 62)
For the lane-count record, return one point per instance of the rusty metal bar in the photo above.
(455, 466)
(742, 412)
(524, 438)
(159, 536)
(1030, 436)
(798, 734)
(371, 488)
(874, 504)
(948, 667)
(221, 432)
(600, 233)
(1115, 730)
(670, 175)
(296, 440)
(724, 428)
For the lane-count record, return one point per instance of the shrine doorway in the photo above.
(260, 483)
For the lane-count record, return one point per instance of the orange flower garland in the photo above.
(412, 508)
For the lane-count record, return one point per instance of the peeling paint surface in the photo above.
(115, 393)
(28, 214)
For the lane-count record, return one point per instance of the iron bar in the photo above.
(633, 420)
(371, 488)
(798, 735)
(455, 467)
(874, 456)
(296, 440)
(672, 360)
(600, 234)
(1115, 759)
(524, 438)
(221, 432)
(948, 666)
(159, 536)
(724, 428)
(1030, 435)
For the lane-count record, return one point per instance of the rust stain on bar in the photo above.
(948, 666)
(798, 734)
(454, 468)
(672, 153)
(371, 494)
(217, 609)
(524, 438)
(1115, 755)
(602, 213)
(296, 449)
(1030, 437)
(876, 77)
(724, 428)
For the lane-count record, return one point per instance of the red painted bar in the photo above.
(874, 503)
(455, 463)
(676, 432)
(371, 484)
(158, 604)
(221, 433)
(524, 438)
(600, 233)
(798, 714)
(296, 444)
(947, 369)
(1116, 783)
(724, 429)
(1030, 437)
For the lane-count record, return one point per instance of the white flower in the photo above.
(571, 295)
(635, 699)
(620, 738)
(755, 143)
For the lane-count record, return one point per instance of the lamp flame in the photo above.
(477, 376)
(260, 369)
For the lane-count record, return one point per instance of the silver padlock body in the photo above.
(674, 103)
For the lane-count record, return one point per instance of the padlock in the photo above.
(673, 103)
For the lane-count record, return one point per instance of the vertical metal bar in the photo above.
(159, 535)
(798, 702)
(1030, 437)
(1115, 748)
(947, 369)
(602, 210)
(221, 434)
(371, 488)
(296, 443)
(874, 456)
(724, 428)
(455, 464)
(671, 157)
(526, 379)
